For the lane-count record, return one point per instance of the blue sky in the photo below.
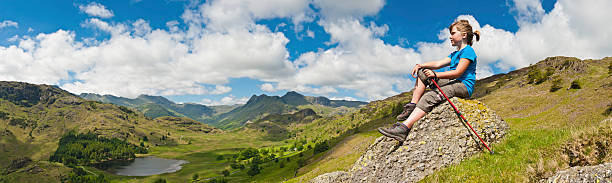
(222, 52)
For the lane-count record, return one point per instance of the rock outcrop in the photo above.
(436, 141)
(597, 173)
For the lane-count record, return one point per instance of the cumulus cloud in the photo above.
(96, 10)
(8, 23)
(528, 11)
(105, 26)
(221, 40)
(136, 59)
(343, 98)
(267, 87)
(361, 62)
(228, 100)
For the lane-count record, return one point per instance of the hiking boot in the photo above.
(408, 108)
(398, 131)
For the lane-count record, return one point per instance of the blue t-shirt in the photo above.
(469, 76)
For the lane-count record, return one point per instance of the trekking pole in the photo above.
(459, 113)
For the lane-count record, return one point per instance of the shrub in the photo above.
(610, 67)
(160, 180)
(4, 115)
(226, 173)
(301, 162)
(195, 177)
(248, 153)
(220, 157)
(237, 166)
(87, 178)
(254, 170)
(556, 85)
(575, 84)
(217, 181)
(321, 147)
(535, 76)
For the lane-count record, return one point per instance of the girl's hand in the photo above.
(429, 73)
(415, 70)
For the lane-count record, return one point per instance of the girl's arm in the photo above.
(461, 67)
(431, 65)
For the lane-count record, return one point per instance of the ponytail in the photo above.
(464, 26)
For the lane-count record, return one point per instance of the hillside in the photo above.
(34, 117)
(544, 109)
(259, 106)
(156, 106)
(277, 125)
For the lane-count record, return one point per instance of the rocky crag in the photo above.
(597, 173)
(436, 141)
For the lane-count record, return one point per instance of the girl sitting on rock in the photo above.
(458, 81)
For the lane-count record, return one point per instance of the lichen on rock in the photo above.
(437, 140)
(597, 173)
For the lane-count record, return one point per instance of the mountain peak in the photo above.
(294, 98)
(293, 93)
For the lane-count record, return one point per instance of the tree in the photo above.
(321, 147)
(226, 172)
(256, 160)
(254, 170)
(301, 162)
(248, 153)
(195, 177)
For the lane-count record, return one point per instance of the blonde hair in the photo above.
(464, 26)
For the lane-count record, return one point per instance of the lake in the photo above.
(145, 166)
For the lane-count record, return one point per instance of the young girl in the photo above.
(458, 81)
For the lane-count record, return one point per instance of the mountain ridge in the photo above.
(156, 106)
(258, 106)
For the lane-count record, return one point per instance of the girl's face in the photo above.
(456, 37)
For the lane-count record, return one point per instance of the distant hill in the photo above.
(260, 106)
(156, 106)
(34, 117)
(277, 126)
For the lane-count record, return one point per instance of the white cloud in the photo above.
(343, 98)
(223, 16)
(310, 34)
(96, 9)
(137, 60)
(528, 11)
(105, 26)
(221, 40)
(8, 23)
(267, 87)
(228, 100)
(340, 9)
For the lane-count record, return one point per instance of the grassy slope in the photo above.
(541, 123)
